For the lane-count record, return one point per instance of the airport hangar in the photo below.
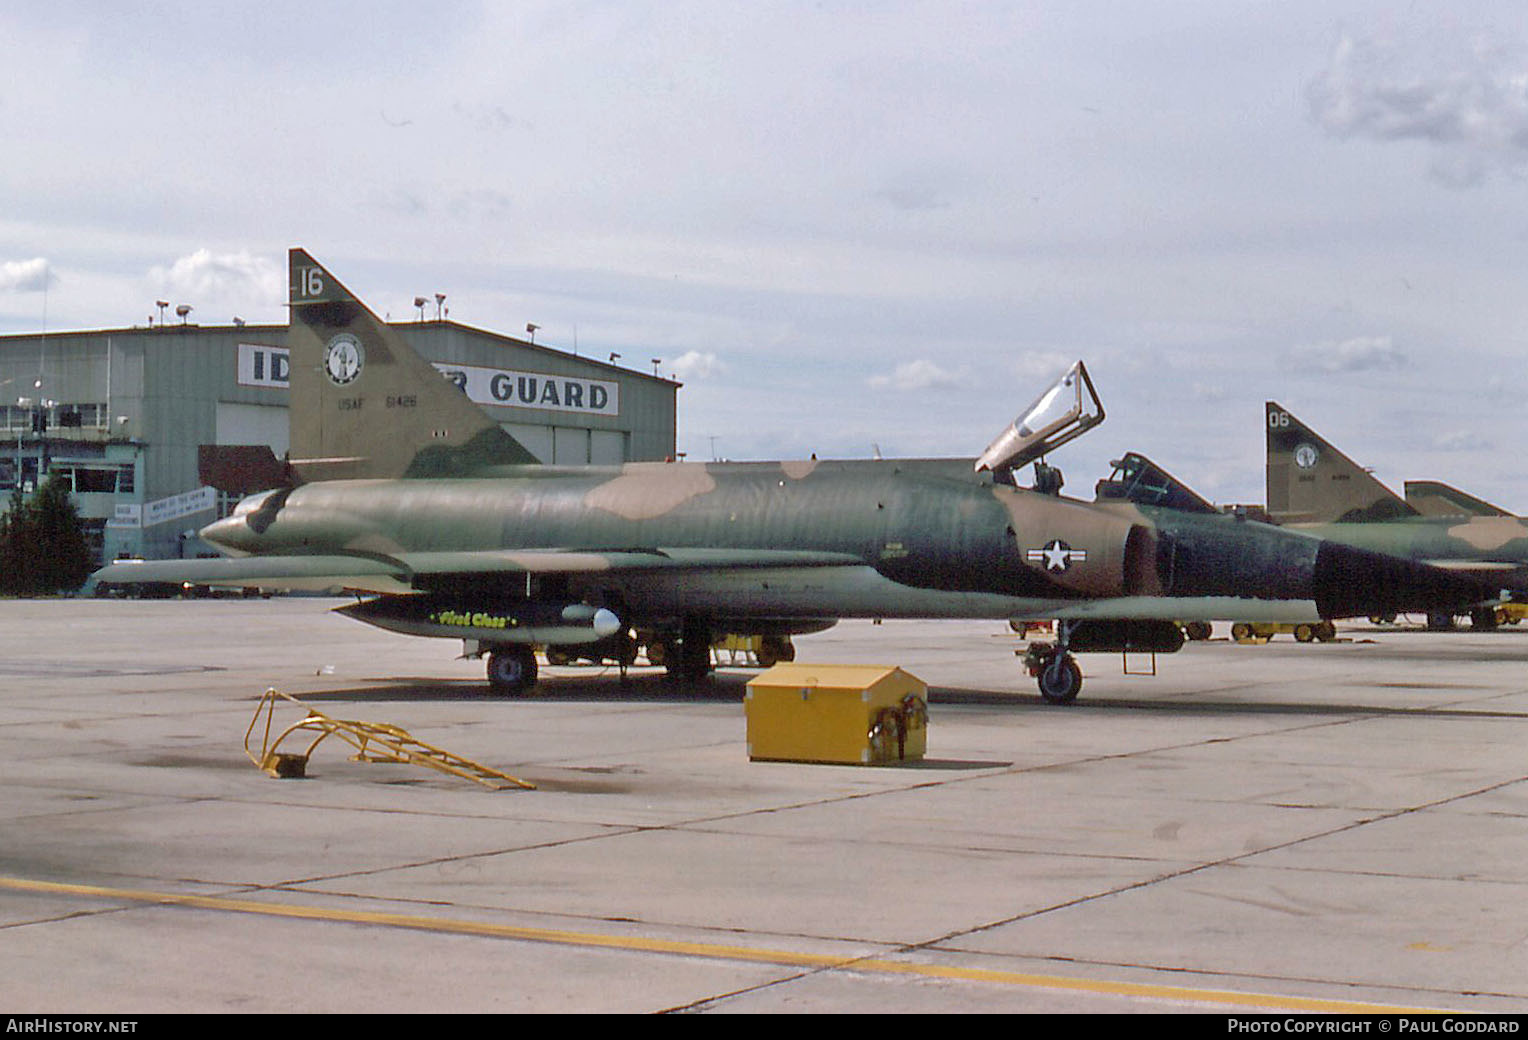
(129, 417)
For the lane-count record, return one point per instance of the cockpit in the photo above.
(1137, 479)
(1066, 410)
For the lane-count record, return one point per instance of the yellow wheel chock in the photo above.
(373, 741)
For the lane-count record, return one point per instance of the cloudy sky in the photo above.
(840, 224)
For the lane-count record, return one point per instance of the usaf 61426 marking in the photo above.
(445, 519)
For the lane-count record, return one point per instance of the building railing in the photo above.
(88, 415)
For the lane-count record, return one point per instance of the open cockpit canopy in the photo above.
(1068, 409)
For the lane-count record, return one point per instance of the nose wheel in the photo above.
(1054, 667)
(1059, 678)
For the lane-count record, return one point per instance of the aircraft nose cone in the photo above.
(1349, 582)
(224, 533)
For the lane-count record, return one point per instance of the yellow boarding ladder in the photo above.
(373, 741)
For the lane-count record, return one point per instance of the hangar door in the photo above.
(571, 445)
(254, 424)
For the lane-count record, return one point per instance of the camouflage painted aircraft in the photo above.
(1313, 487)
(1434, 498)
(402, 488)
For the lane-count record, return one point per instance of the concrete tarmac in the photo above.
(1277, 829)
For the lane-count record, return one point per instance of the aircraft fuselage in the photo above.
(908, 538)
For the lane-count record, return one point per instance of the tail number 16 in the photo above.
(310, 281)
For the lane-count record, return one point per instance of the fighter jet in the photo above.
(1313, 487)
(405, 491)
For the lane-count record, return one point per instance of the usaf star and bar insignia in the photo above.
(1057, 556)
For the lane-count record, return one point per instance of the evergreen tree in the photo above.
(42, 544)
(13, 553)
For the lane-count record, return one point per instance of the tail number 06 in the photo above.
(1278, 420)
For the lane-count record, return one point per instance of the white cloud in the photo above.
(1039, 368)
(1462, 440)
(696, 364)
(26, 275)
(1360, 354)
(921, 375)
(1471, 101)
(914, 192)
(205, 279)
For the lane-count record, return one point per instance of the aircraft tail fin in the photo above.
(1311, 481)
(365, 404)
(1434, 498)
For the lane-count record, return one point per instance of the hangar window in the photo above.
(87, 414)
(94, 479)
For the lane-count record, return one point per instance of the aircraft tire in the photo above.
(1483, 618)
(512, 670)
(774, 649)
(1060, 679)
(694, 659)
(661, 652)
(694, 663)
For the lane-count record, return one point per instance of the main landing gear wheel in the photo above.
(692, 661)
(1060, 679)
(1440, 621)
(512, 670)
(774, 649)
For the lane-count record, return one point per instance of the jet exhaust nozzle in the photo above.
(561, 624)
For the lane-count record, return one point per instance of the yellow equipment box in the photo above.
(854, 714)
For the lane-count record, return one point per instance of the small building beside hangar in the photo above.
(128, 417)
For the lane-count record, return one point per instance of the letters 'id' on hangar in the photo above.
(132, 417)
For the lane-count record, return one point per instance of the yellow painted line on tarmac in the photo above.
(714, 951)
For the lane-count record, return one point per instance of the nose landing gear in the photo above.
(1054, 667)
(1059, 677)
